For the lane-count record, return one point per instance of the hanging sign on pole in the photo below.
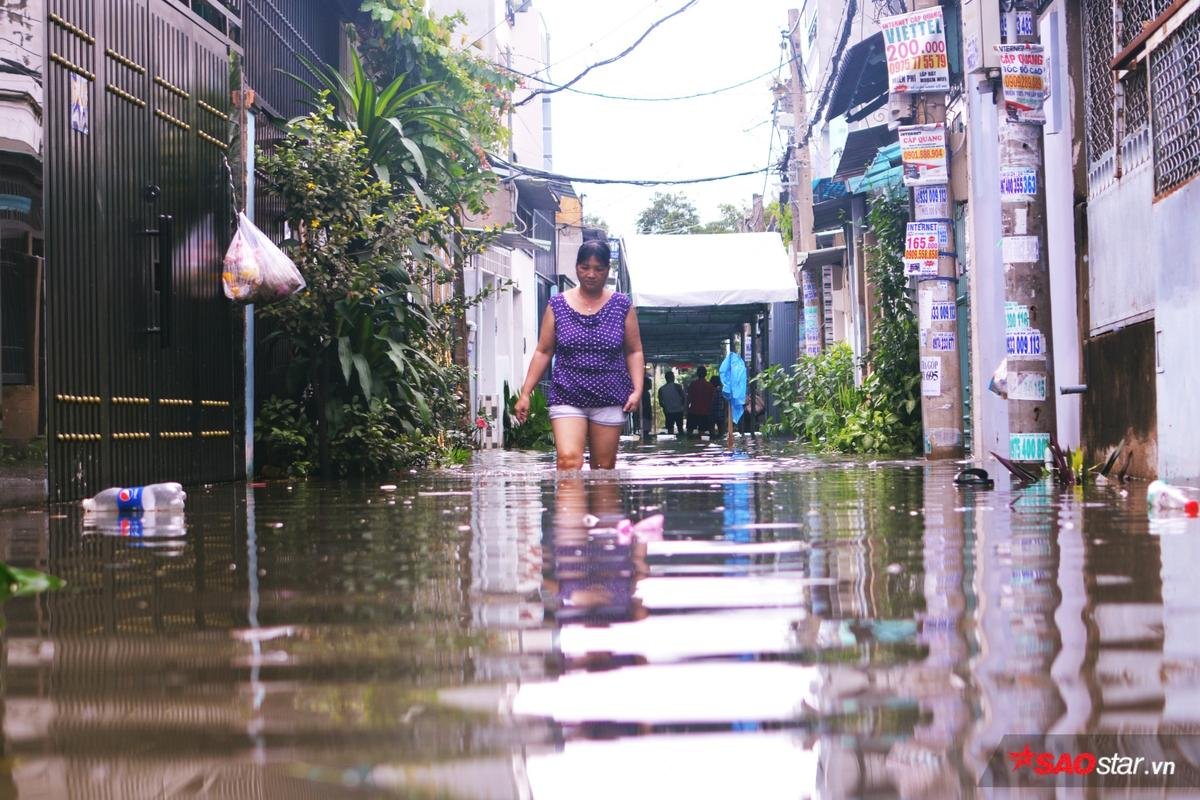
(915, 45)
(923, 150)
(1023, 76)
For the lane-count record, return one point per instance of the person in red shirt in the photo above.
(700, 402)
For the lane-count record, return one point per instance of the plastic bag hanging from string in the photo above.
(255, 269)
(733, 384)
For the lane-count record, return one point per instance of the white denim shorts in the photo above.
(612, 416)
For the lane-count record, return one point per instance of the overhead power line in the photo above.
(617, 57)
(707, 93)
(554, 176)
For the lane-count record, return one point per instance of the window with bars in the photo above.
(1097, 19)
(1161, 87)
(1175, 86)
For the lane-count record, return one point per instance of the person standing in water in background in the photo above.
(673, 402)
(591, 335)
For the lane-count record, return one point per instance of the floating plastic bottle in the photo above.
(1162, 497)
(138, 498)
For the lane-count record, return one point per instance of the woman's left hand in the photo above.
(633, 402)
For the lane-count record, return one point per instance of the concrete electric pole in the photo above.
(930, 239)
(1032, 415)
(804, 239)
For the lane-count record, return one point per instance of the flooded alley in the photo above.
(804, 628)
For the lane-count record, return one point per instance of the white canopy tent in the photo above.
(694, 291)
(718, 269)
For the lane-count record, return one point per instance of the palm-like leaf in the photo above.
(410, 141)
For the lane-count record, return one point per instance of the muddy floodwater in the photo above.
(803, 627)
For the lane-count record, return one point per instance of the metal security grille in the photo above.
(1175, 86)
(1135, 14)
(1098, 51)
(139, 338)
(277, 35)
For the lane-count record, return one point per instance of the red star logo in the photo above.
(1021, 758)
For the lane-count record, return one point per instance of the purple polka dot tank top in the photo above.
(589, 355)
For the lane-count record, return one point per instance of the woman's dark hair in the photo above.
(594, 248)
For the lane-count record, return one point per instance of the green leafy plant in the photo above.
(284, 437)
(533, 434)
(818, 399)
(403, 40)
(405, 141)
(366, 328)
(20, 582)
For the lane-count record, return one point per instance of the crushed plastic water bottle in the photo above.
(132, 499)
(1162, 497)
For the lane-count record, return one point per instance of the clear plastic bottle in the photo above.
(138, 498)
(1163, 497)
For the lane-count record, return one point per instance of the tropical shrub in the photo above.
(817, 398)
(533, 434)
(365, 329)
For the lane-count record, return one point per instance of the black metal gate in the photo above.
(143, 378)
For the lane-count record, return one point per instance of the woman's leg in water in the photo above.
(570, 438)
(602, 445)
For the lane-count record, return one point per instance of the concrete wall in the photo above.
(21, 41)
(1173, 254)
(21, 97)
(1120, 408)
(1120, 287)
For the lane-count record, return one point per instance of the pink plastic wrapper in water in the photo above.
(648, 530)
(256, 271)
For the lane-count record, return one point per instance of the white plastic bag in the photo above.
(256, 271)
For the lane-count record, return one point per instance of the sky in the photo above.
(713, 44)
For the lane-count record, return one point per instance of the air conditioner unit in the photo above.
(981, 34)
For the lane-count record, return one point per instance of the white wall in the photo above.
(20, 95)
(989, 413)
(1060, 224)
(525, 326)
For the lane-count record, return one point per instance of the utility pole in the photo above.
(937, 293)
(804, 239)
(1032, 415)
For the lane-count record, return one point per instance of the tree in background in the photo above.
(593, 221)
(669, 213)
(732, 219)
(779, 218)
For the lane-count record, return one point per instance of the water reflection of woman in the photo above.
(594, 573)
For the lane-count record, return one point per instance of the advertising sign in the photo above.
(931, 376)
(923, 151)
(915, 45)
(931, 202)
(1023, 76)
(921, 248)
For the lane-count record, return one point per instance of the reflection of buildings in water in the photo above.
(506, 551)
(1127, 595)
(1181, 621)
(1016, 585)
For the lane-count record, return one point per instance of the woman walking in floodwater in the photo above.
(591, 334)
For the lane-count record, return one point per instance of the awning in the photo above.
(824, 257)
(695, 291)
(515, 241)
(720, 269)
(860, 149)
(885, 171)
(861, 85)
(831, 214)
